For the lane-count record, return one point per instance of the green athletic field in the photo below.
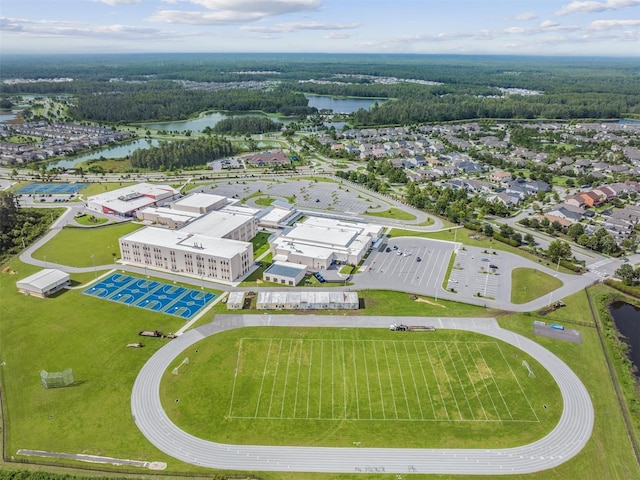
(333, 387)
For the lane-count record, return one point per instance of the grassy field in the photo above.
(260, 243)
(90, 220)
(75, 246)
(392, 213)
(527, 284)
(59, 334)
(327, 387)
(98, 188)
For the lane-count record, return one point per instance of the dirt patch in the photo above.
(424, 300)
(9, 270)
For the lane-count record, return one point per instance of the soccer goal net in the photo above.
(56, 379)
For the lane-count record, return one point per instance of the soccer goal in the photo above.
(525, 364)
(56, 379)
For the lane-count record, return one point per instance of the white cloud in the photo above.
(121, 2)
(593, 6)
(337, 36)
(523, 17)
(295, 26)
(609, 24)
(221, 12)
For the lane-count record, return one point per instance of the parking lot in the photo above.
(414, 264)
(304, 193)
(480, 273)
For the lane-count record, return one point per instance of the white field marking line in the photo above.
(435, 378)
(413, 378)
(355, 377)
(235, 378)
(275, 378)
(424, 378)
(497, 386)
(309, 379)
(321, 369)
(366, 374)
(471, 380)
(393, 395)
(375, 354)
(264, 373)
(486, 387)
(286, 379)
(295, 403)
(406, 400)
(392, 420)
(344, 379)
(444, 369)
(519, 386)
(333, 381)
(464, 392)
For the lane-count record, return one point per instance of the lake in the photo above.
(626, 318)
(118, 151)
(342, 105)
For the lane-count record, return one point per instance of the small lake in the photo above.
(342, 105)
(118, 151)
(626, 317)
(6, 115)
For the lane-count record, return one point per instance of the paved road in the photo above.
(562, 443)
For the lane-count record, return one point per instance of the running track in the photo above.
(565, 441)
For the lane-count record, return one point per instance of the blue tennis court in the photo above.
(159, 297)
(52, 188)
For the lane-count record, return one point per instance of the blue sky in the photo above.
(515, 27)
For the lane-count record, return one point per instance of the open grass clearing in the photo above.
(392, 213)
(79, 247)
(326, 387)
(260, 243)
(102, 187)
(527, 284)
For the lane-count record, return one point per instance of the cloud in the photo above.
(224, 12)
(337, 36)
(593, 6)
(296, 26)
(121, 2)
(609, 24)
(523, 17)
(48, 29)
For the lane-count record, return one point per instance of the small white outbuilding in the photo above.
(44, 283)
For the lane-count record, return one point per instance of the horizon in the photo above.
(545, 28)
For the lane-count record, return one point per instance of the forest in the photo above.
(182, 153)
(422, 88)
(246, 125)
(19, 226)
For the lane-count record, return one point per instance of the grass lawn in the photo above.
(527, 284)
(87, 334)
(394, 213)
(260, 243)
(75, 246)
(98, 188)
(264, 201)
(90, 220)
(325, 387)
(608, 453)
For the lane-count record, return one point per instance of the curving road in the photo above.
(562, 443)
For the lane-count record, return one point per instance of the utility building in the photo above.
(44, 283)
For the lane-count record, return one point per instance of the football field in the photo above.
(414, 380)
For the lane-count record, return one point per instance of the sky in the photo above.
(503, 27)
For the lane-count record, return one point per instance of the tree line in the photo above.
(19, 226)
(246, 125)
(182, 153)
